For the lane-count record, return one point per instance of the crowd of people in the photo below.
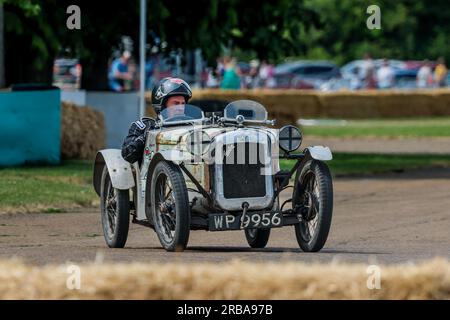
(370, 77)
(229, 74)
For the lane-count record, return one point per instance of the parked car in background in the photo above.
(305, 74)
(67, 74)
(406, 79)
(352, 68)
(416, 64)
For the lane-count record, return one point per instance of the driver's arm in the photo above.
(133, 145)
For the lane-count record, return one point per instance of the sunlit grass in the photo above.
(414, 127)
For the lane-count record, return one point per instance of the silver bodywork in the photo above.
(239, 136)
(320, 153)
(119, 170)
(169, 144)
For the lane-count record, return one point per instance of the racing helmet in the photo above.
(167, 88)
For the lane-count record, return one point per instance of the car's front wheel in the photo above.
(313, 193)
(170, 206)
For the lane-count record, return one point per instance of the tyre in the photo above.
(115, 212)
(170, 206)
(258, 238)
(313, 191)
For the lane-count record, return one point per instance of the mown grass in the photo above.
(55, 189)
(49, 189)
(350, 163)
(412, 128)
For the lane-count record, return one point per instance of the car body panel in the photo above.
(119, 170)
(207, 176)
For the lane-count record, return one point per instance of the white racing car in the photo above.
(216, 173)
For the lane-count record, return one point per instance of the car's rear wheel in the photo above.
(115, 212)
(170, 206)
(258, 238)
(313, 192)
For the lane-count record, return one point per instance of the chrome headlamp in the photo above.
(290, 138)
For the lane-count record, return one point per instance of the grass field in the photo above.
(46, 189)
(69, 186)
(352, 164)
(423, 127)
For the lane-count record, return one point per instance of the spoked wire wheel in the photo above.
(115, 212)
(170, 206)
(313, 192)
(165, 208)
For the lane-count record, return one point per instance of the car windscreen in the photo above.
(181, 113)
(250, 110)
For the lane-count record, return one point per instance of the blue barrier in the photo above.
(30, 123)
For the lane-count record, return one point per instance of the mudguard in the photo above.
(319, 153)
(119, 170)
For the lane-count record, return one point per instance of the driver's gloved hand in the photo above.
(133, 145)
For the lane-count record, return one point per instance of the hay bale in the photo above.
(82, 132)
(287, 106)
(229, 280)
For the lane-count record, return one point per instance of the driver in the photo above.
(171, 93)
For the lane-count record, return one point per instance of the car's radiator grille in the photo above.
(242, 174)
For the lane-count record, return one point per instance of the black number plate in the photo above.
(252, 220)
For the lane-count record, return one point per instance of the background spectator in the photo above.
(424, 76)
(368, 72)
(231, 78)
(440, 73)
(266, 75)
(385, 76)
(120, 74)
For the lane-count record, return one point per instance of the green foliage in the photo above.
(409, 29)
(274, 30)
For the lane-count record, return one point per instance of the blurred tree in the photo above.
(35, 31)
(28, 9)
(2, 48)
(410, 29)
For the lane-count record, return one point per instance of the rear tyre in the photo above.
(314, 192)
(258, 238)
(170, 206)
(115, 212)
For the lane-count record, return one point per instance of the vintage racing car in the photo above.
(216, 172)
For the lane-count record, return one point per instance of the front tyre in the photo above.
(115, 212)
(313, 193)
(170, 206)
